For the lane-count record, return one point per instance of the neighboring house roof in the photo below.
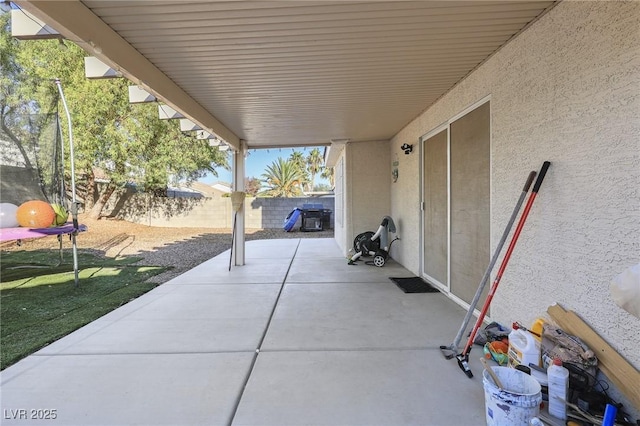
(320, 194)
(215, 190)
(183, 191)
(223, 187)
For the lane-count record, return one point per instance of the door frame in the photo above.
(447, 126)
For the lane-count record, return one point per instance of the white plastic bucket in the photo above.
(514, 405)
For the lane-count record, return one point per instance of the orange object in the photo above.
(497, 351)
(35, 214)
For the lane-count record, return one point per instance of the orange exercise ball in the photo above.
(35, 214)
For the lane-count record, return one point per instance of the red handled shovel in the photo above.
(463, 358)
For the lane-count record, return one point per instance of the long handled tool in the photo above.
(493, 375)
(452, 350)
(463, 358)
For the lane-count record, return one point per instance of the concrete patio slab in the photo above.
(271, 249)
(264, 249)
(340, 316)
(174, 336)
(342, 346)
(318, 248)
(337, 270)
(213, 302)
(190, 319)
(255, 271)
(412, 387)
(153, 389)
(106, 320)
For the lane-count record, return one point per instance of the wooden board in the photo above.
(624, 375)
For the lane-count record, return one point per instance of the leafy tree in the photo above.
(314, 164)
(128, 142)
(252, 186)
(14, 108)
(282, 179)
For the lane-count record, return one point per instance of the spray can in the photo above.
(558, 378)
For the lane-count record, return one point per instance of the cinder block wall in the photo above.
(269, 213)
(260, 213)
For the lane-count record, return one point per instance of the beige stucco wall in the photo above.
(366, 188)
(566, 90)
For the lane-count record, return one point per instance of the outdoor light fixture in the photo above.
(408, 149)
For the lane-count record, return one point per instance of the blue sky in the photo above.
(257, 162)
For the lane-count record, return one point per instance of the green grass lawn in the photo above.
(39, 302)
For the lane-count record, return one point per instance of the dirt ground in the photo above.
(178, 248)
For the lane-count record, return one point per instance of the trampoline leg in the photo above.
(60, 249)
(75, 258)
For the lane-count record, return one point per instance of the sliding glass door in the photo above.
(436, 210)
(456, 196)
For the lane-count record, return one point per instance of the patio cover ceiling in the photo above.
(292, 73)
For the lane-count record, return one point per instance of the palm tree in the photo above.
(314, 164)
(283, 179)
(327, 173)
(298, 159)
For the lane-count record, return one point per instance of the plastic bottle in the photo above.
(523, 349)
(610, 413)
(558, 377)
(538, 328)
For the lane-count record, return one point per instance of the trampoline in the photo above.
(32, 161)
(20, 233)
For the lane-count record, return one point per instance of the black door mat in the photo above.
(414, 285)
